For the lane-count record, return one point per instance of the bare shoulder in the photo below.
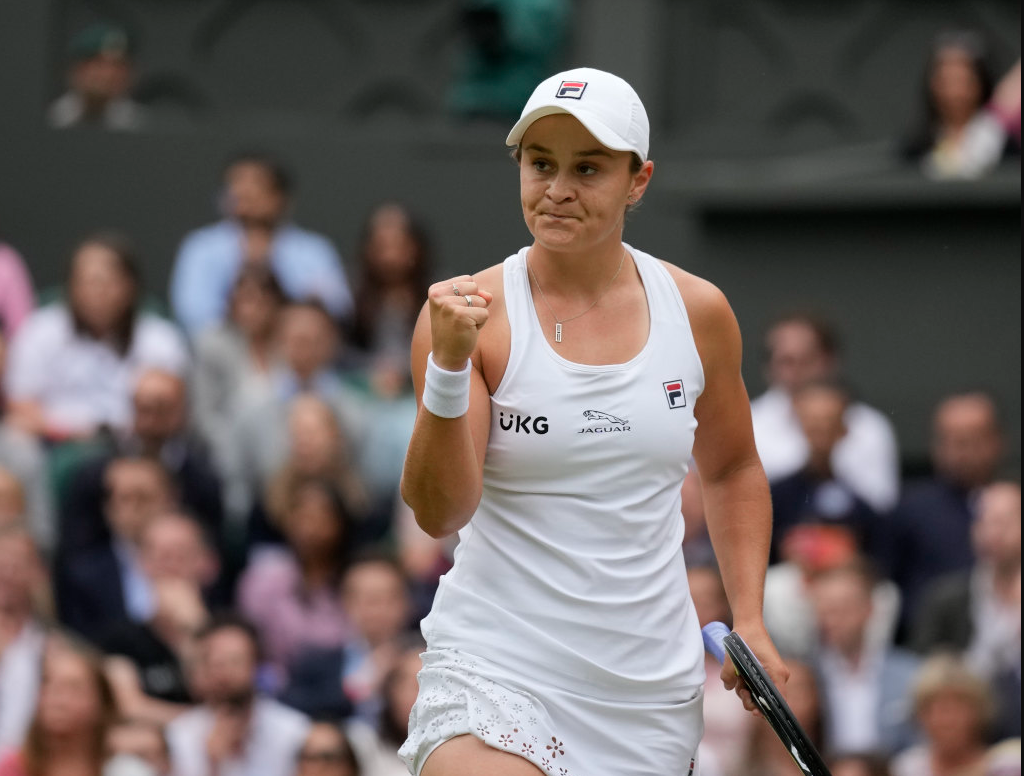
(708, 309)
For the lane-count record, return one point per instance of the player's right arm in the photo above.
(443, 476)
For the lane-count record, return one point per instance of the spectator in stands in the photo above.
(375, 598)
(727, 726)
(72, 366)
(865, 687)
(259, 447)
(816, 493)
(106, 583)
(394, 273)
(148, 660)
(160, 430)
(977, 612)
(75, 711)
(953, 709)
(511, 46)
(858, 764)
(378, 751)
(290, 594)
(256, 229)
(808, 551)
(964, 132)
(802, 348)
(24, 479)
(99, 82)
(235, 730)
(234, 359)
(931, 533)
(17, 297)
(327, 752)
(142, 741)
(23, 583)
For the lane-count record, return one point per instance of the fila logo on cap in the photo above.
(571, 89)
(675, 394)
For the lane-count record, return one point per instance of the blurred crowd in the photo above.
(206, 570)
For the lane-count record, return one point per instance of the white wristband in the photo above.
(446, 393)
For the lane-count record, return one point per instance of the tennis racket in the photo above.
(719, 640)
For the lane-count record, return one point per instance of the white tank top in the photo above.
(571, 569)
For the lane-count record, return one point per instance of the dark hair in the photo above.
(280, 177)
(823, 330)
(295, 491)
(127, 261)
(923, 138)
(36, 750)
(230, 620)
(390, 730)
(371, 286)
(349, 753)
(261, 276)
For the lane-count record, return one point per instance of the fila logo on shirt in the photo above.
(675, 394)
(572, 90)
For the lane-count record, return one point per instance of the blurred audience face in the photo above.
(12, 498)
(952, 723)
(390, 245)
(256, 302)
(966, 442)
(376, 599)
(72, 701)
(227, 667)
(313, 435)
(99, 291)
(143, 740)
(252, 196)
(955, 86)
(312, 524)
(137, 490)
(842, 603)
(820, 411)
(173, 547)
(160, 406)
(103, 78)
(796, 356)
(326, 752)
(708, 594)
(21, 571)
(308, 339)
(996, 528)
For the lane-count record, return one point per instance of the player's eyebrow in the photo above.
(591, 152)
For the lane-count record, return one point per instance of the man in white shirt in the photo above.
(22, 637)
(865, 685)
(235, 732)
(800, 349)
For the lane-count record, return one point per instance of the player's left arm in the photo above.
(737, 501)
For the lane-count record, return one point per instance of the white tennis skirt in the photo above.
(560, 731)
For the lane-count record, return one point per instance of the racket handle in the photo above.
(714, 633)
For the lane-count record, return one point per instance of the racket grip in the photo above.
(714, 633)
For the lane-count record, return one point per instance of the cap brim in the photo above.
(601, 132)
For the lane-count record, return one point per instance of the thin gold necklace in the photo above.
(559, 322)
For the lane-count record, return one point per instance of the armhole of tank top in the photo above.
(672, 290)
(514, 308)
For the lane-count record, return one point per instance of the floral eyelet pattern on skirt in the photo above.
(563, 735)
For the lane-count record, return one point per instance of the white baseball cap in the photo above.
(603, 103)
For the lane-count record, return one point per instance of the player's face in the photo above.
(574, 191)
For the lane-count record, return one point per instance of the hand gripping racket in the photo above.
(718, 640)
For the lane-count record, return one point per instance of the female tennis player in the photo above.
(562, 394)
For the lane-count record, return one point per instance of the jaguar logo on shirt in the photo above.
(609, 423)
